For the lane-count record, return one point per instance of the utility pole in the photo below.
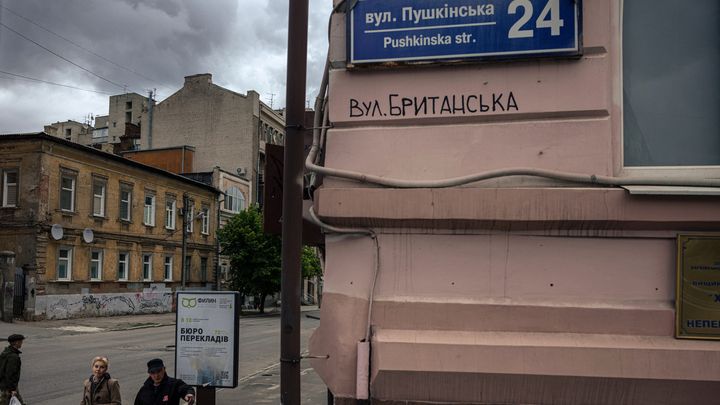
(184, 241)
(292, 203)
(151, 106)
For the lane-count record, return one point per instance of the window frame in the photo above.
(5, 190)
(73, 177)
(149, 214)
(235, 199)
(125, 188)
(168, 276)
(98, 262)
(123, 264)
(149, 268)
(69, 263)
(205, 224)
(669, 172)
(102, 182)
(170, 213)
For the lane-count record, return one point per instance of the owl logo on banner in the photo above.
(189, 302)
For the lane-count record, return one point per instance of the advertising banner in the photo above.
(698, 287)
(440, 30)
(206, 334)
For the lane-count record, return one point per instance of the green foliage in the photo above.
(255, 258)
(310, 263)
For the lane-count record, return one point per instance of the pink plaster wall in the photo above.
(524, 291)
(566, 115)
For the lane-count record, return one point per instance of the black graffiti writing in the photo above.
(457, 105)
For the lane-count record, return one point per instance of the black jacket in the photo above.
(168, 392)
(9, 369)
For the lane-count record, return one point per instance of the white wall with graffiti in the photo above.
(89, 305)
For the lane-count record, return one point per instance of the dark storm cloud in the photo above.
(170, 7)
(241, 42)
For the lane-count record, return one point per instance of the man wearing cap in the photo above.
(160, 389)
(10, 370)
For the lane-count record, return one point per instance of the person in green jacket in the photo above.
(10, 370)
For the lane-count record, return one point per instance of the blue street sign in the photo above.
(440, 30)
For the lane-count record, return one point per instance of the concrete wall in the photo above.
(223, 126)
(89, 305)
(79, 133)
(219, 123)
(117, 114)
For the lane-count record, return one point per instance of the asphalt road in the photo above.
(55, 362)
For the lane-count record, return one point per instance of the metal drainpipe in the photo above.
(184, 241)
(151, 104)
(217, 241)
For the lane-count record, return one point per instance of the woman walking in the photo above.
(99, 388)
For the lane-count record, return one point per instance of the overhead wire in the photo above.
(82, 47)
(32, 79)
(122, 86)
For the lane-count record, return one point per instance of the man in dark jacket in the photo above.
(159, 389)
(10, 370)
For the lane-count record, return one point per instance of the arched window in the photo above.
(234, 200)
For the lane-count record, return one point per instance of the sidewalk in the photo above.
(110, 323)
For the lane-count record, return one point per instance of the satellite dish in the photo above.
(56, 231)
(88, 235)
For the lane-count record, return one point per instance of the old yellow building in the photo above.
(99, 234)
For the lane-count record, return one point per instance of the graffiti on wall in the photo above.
(88, 305)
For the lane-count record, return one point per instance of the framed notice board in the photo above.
(206, 336)
(697, 301)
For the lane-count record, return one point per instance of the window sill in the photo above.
(672, 190)
(9, 207)
(124, 221)
(148, 225)
(62, 281)
(66, 213)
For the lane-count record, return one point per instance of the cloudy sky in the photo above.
(113, 45)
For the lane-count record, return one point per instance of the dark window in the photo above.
(671, 85)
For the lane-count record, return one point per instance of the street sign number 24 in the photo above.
(549, 18)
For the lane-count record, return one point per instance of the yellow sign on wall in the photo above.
(697, 301)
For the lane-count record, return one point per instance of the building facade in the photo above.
(227, 129)
(234, 197)
(553, 277)
(84, 222)
(71, 131)
(127, 110)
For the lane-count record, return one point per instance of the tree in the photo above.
(255, 257)
(310, 263)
